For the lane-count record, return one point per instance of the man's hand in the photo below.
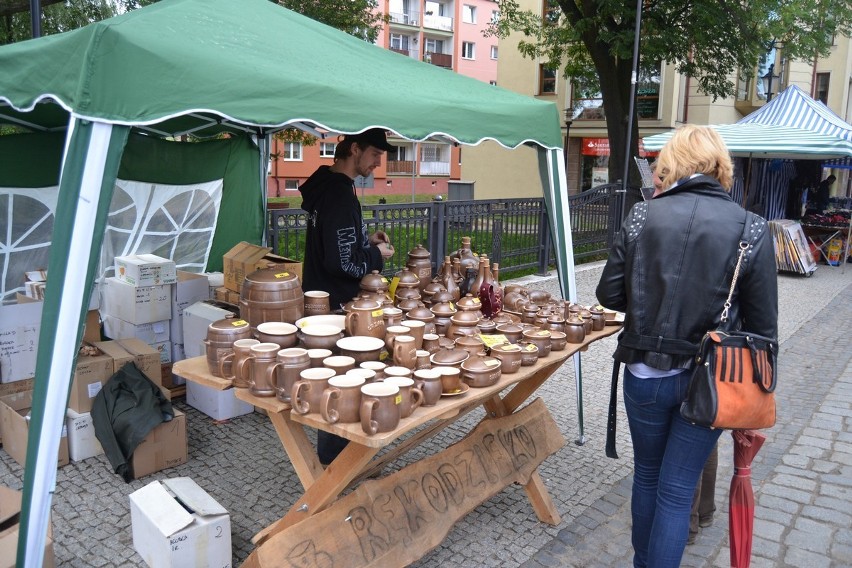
(386, 249)
(379, 237)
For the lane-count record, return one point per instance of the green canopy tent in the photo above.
(206, 67)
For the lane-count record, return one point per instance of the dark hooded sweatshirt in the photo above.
(337, 252)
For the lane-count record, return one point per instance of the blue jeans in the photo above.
(668, 456)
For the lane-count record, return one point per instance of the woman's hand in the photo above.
(379, 237)
(386, 249)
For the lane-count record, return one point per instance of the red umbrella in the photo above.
(741, 512)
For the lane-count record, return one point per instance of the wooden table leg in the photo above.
(537, 493)
(336, 477)
(299, 449)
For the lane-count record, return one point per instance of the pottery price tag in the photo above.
(377, 313)
(282, 275)
(492, 340)
(239, 323)
(392, 288)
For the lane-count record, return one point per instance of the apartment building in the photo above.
(665, 100)
(448, 34)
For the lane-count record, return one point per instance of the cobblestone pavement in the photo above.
(802, 476)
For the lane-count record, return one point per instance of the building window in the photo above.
(493, 52)
(495, 16)
(469, 14)
(291, 184)
(587, 102)
(327, 149)
(468, 50)
(546, 80)
(400, 42)
(492, 82)
(821, 91)
(434, 45)
(292, 152)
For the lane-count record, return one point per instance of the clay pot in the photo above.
(575, 330)
(420, 263)
(365, 318)
(598, 318)
(408, 304)
(539, 297)
(512, 331)
(429, 291)
(529, 353)
(541, 339)
(558, 340)
(374, 283)
(271, 294)
(469, 303)
(509, 355)
(470, 343)
(481, 371)
(487, 326)
(424, 314)
(361, 347)
(587, 320)
(221, 336)
(448, 357)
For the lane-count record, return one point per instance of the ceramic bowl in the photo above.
(282, 333)
(320, 336)
(328, 319)
(361, 347)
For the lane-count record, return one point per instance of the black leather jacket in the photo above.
(670, 271)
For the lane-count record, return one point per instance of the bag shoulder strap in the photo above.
(752, 226)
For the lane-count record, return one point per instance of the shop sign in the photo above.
(600, 147)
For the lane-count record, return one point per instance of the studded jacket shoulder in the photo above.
(670, 269)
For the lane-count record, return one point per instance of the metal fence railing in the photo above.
(513, 232)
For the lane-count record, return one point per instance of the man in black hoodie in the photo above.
(338, 252)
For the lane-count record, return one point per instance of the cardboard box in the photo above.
(162, 448)
(164, 348)
(10, 511)
(120, 356)
(19, 328)
(224, 295)
(15, 426)
(82, 442)
(188, 289)
(215, 403)
(150, 333)
(178, 353)
(136, 304)
(90, 375)
(245, 258)
(176, 523)
(145, 270)
(146, 358)
(196, 319)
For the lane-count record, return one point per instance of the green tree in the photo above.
(360, 18)
(591, 41)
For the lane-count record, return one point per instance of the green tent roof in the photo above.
(256, 64)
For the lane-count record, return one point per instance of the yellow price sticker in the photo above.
(492, 362)
(492, 340)
(476, 301)
(398, 399)
(282, 275)
(383, 355)
(392, 288)
(239, 323)
(530, 347)
(377, 313)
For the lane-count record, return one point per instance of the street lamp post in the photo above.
(568, 122)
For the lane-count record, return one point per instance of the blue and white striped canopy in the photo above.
(758, 140)
(793, 107)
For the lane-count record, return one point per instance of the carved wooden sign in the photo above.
(397, 519)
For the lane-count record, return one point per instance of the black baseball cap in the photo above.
(375, 137)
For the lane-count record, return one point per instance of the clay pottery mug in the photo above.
(317, 356)
(288, 366)
(431, 342)
(365, 318)
(404, 351)
(392, 333)
(412, 397)
(422, 361)
(509, 355)
(417, 330)
(392, 316)
(259, 373)
(380, 404)
(368, 375)
(394, 371)
(317, 303)
(429, 382)
(377, 367)
(341, 401)
(237, 359)
(339, 363)
(306, 394)
(450, 378)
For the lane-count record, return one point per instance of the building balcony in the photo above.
(407, 52)
(434, 168)
(400, 167)
(444, 23)
(410, 18)
(439, 59)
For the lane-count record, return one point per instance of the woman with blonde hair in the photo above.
(669, 270)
